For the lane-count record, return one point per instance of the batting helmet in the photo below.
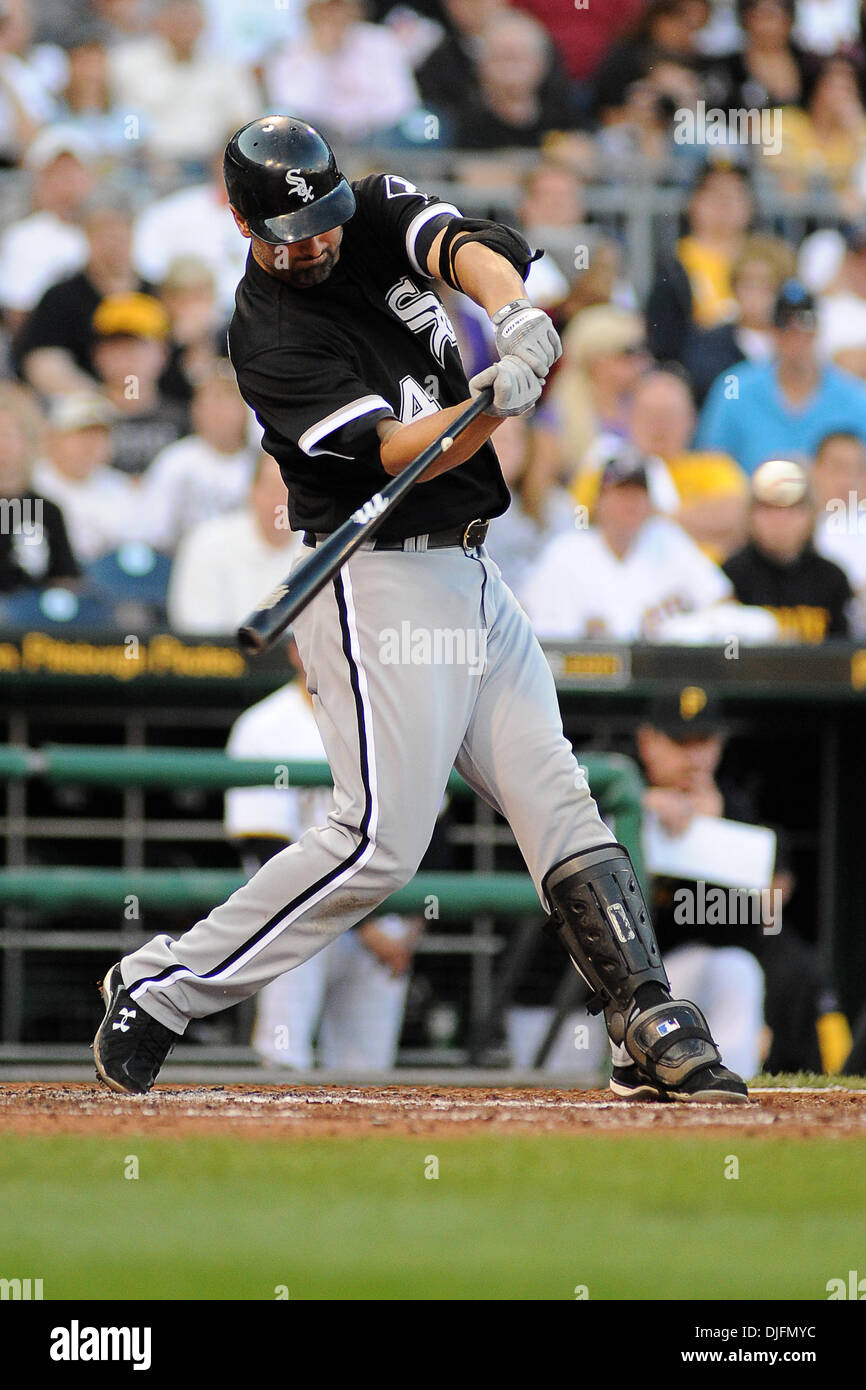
(282, 177)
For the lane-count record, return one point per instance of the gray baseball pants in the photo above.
(418, 661)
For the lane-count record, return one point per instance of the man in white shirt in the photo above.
(100, 505)
(621, 577)
(49, 243)
(186, 95)
(351, 78)
(225, 566)
(206, 473)
(194, 221)
(353, 993)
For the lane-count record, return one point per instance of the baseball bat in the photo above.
(275, 612)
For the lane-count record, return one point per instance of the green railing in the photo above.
(615, 782)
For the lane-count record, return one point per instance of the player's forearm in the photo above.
(486, 277)
(403, 443)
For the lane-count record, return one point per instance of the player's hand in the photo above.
(516, 388)
(529, 334)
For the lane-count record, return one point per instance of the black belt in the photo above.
(468, 536)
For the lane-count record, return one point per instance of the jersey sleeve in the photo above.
(314, 399)
(408, 220)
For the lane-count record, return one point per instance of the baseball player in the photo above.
(417, 656)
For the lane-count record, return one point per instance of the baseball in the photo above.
(779, 482)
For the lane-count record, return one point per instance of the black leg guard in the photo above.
(599, 914)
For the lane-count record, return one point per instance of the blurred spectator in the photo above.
(822, 147)
(842, 310)
(513, 106)
(770, 70)
(661, 43)
(34, 545)
(602, 282)
(197, 326)
(225, 565)
(100, 506)
(778, 568)
(757, 275)
(130, 351)
(712, 487)
(552, 213)
(838, 480)
(448, 76)
(123, 19)
(251, 29)
(541, 507)
(52, 350)
(48, 243)
(86, 101)
(713, 963)
(639, 143)
(621, 576)
(825, 26)
(582, 35)
(206, 473)
(195, 221)
(25, 100)
(692, 287)
(604, 356)
(347, 77)
(185, 96)
(761, 411)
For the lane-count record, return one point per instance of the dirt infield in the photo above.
(282, 1112)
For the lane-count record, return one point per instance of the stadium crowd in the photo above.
(119, 258)
(647, 500)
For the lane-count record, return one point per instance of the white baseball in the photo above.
(779, 482)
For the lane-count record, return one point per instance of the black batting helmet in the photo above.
(282, 177)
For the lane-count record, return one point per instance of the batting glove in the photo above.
(527, 333)
(516, 388)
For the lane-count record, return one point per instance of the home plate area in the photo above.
(308, 1111)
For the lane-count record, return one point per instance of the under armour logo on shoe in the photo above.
(298, 184)
(126, 1014)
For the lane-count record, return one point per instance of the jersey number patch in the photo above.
(414, 401)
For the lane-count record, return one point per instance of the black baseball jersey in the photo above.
(320, 366)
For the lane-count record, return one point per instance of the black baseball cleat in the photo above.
(130, 1045)
(710, 1085)
(675, 1059)
(630, 1083)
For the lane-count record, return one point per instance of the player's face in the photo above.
(302, 263)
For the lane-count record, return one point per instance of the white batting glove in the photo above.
(516, 388)
(527, 333)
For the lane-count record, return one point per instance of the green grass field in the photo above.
(522, 1217)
